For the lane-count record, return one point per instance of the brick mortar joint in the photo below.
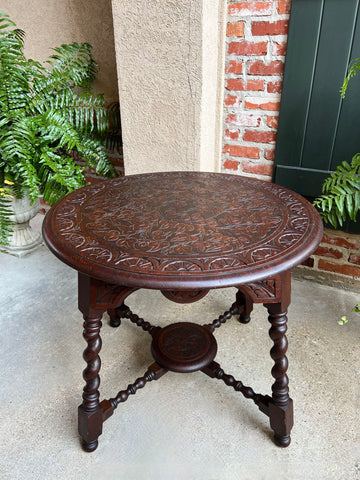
(314, 267)
(265, 78)
(268, 17)
(328, 272)
(331, 261)
(338, 233)
(258, 58)
(345, 251)
(249, 37)
(272, 16)
(343, 275)
(334, 261)
(338, 248)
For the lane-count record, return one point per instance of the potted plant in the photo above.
(341, 190)
(48, 117)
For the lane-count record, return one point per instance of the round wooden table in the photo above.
(183, 233)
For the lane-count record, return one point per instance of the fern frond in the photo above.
(74, 63)
(85, 111)
(18, 148)
(5, 23)
(5, 212)
(47, 113)
(341, 194)
(112, 136)
(352, 71)
(95, 156)
(72, 67)
(53, 191)
(62, 169)
(14, 78)
(59, 175)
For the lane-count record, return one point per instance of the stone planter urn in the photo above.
(24, 239)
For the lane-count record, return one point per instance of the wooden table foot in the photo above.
(281, 405)
(245, 305)
(116, 314)
(281, 422)
(282, 440)
(90, 428)
(89, 446)
(115, 319)
(90, 412)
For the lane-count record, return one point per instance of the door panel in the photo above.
(317, 129)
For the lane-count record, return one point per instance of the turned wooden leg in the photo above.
(90, 412)
(245, 305)
(116, 314)
(115, 318)
(281, 406)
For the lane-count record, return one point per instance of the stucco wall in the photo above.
(49, 23)
(159, 48)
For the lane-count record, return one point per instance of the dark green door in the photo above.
(317, 129)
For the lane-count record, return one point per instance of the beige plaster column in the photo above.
(170, 58)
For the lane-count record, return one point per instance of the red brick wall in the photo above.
(255, 56)
(256, 47)
(338, 252)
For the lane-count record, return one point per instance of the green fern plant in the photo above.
(341, 194)
(340, 197)
(47, 114)
(5, 212)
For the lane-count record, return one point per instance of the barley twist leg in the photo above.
(90, 412)
(281, 406)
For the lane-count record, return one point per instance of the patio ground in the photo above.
(182, 427)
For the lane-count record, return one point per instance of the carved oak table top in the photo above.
(183, 233)
(182, 230)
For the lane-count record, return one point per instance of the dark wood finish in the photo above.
(184, 296)
(183, 233)
(124, 312)
(213, 370)
(234, 310)
(245, 305)
(154, 372)
(184, 347)
(182, 230)
(90, 414)
(281, 407)
(115, 314)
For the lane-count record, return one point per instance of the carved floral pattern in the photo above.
(183, 223)
(262, 289)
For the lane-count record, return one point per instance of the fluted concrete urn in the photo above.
(24, 239)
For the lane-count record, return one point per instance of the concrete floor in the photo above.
(183, 428)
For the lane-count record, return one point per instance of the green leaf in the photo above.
(48, 114)
(340, 200)
(341, 194)
(5, 211)
(353, 69)
(343, 320)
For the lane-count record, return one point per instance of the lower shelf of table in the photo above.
(182, 347)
